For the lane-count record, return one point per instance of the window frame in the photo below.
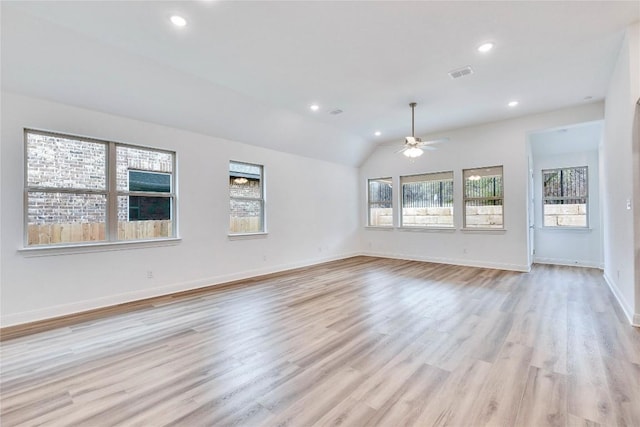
(401, 199)
(110, 192)
(261, 200)
(369, 203)
(465, 199)
(586, 197)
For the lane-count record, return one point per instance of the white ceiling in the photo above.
(247, 71)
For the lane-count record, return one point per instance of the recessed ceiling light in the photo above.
(314, 107)
(178, 21)
(485, 47)
(377, 133)
(512, 104)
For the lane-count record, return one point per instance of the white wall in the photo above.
(312, 214)
(565, 246)
(620, 269)
(499, 143)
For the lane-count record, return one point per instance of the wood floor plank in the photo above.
(453, 403)
(615, 340)
(544, 402)
(320, 400)
(588, 394)
(623, 379)
(349, 412)
(410, 400)
(500, 396)
(355, 342)
(575, 421)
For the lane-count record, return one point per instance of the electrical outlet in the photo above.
(149, 274)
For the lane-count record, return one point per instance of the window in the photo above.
(74, 194)
(427, 200)
(483, 198)
(143, 208)
(246, 191)
(380, 202)
(565, 197)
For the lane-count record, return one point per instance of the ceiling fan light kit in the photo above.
(413, 152)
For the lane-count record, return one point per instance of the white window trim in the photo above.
(420, 229)
(484, 230)
(111, 192)
(575, 229)
(379, 227)
(247, 236)
(87, 247)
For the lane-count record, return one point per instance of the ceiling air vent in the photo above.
(460, 72)
(335, 112)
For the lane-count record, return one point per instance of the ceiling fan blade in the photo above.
(427, 147)
(401, 150)
(390, 146)
(435, 141)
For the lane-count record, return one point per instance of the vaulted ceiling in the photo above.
(248, 71)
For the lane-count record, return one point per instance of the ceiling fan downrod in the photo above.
(413, 106)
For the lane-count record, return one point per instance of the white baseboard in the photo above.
(453, 261)
(111, 300)
(568, 262)
(626, 309)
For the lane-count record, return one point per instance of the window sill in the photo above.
(484, 230)
(428, 229)
(571, 229)
(247, 236)
(385, 228)
(82, 248)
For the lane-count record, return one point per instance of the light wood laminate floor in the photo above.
(357, 342)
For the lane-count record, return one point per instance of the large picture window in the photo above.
(246, 191)
(427, 200)
(81, 190)
(379, 198)
(565, 198)
(483, 198)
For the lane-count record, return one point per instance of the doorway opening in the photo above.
(564, 195)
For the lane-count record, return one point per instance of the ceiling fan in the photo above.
(414, 146)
